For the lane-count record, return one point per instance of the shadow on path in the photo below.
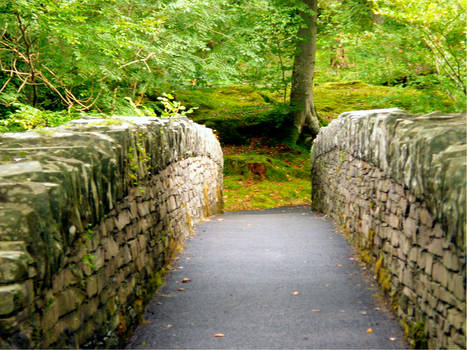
(272, 279)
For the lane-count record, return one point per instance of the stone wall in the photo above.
(396, 183)
(90, 213)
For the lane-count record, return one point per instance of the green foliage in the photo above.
(418, 336)
(419, 44)
(173, 107)
(26, 117)
(116, 57)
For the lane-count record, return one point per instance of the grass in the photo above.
(287, 179)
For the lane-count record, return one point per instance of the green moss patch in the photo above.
(286, 180)
(334, 98)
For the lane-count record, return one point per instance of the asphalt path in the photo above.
(273, 279)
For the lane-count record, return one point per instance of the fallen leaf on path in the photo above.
(339, 265)
(158, 303)
(188, 258)
(392, 339)
(219, 335)
(369, 330)
(315, 310)
(186, 280)
(180, 267)
(341, 310)
(363, 312)
(296, 293)
(181, 289)
(169, 326)
(220, 219)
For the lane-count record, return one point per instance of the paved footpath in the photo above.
(273, 279)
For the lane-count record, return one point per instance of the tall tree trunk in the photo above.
(303, 71)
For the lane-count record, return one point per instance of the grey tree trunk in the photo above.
(303, 72)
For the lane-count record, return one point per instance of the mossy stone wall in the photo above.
(90, 214)
(396, 183)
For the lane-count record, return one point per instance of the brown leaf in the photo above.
(339, 265)
(392, 339)
(159, 303)
(315, 310)
(369, 330)
(219, 335)
(186, 280)
(169, 326)
(220, 219)
(296, 293)
(181, 289)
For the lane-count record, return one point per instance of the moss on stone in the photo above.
(418, 336)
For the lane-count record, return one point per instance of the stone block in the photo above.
(13, 297)
(111, 248)
(456, 284)
(436, 247)
(456, 318)
(440, 274)
(414, 254)
(426, 262)
(122, 220)
(410, 227)
(14, 266)
(133, 245)
(426, 218)
(91, 286)
(438, 231)
(88, 309)
(126, 254)
(68, 300)
(394, 221)
(451, 260)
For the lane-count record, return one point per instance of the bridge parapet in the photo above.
(397, 184)
(90, 214)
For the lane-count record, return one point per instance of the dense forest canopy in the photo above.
(111, 56)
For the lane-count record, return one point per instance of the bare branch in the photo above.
(143, 60)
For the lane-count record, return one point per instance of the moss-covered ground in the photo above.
(286, 180)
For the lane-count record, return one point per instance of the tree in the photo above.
(301, 96)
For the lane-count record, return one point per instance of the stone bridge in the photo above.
(92, 212)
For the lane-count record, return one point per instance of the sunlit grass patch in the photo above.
(286, 181)
(248, 194)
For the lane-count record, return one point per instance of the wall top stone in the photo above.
(425, 153)
(55, 183)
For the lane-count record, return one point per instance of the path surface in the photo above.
(244, 269)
